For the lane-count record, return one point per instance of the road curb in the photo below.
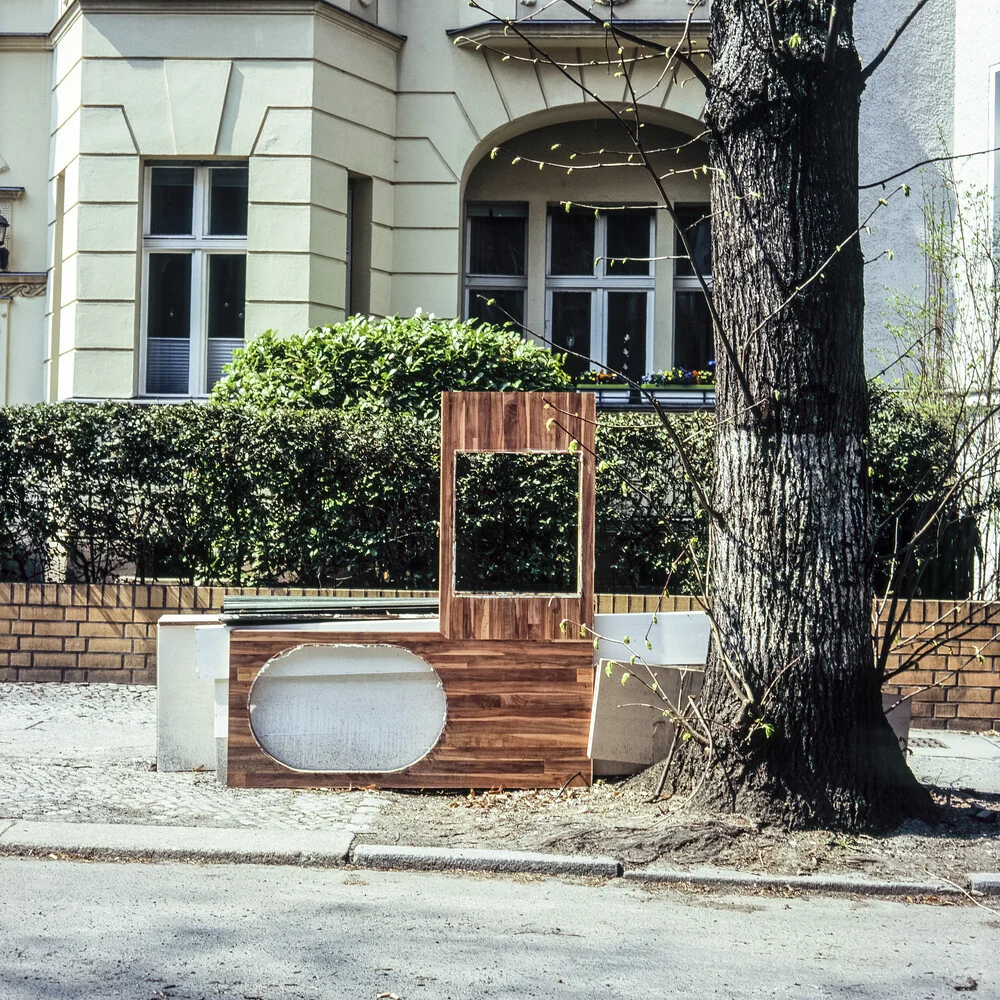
(177, 843)
(985, 883)
(458, 859)
(725, 878)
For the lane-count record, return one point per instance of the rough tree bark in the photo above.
(791, 695)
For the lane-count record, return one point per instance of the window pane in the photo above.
(508, 305)
(227, 292)
(693, 344)
(572, 243)
(169, 295)
(497, 245)
(627, 333)
(228, 211)
(171, 199)
(697, 227)
(571, 329)
(168, 324)
(628, 237)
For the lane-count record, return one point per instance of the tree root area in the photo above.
(617, 818)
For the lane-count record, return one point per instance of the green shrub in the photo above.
(324, 498)
(403, 362)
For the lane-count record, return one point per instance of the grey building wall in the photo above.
(907, 115)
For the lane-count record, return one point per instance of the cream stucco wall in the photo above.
(310, 94)
(25, 68)
(301, 98)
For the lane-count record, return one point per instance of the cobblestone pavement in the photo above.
(79, 753)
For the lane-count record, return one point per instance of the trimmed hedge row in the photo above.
(322, 498)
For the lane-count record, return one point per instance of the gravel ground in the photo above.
(80, 753)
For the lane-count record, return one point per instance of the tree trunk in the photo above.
(791, 696)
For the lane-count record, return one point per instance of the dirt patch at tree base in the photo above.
(618, 819)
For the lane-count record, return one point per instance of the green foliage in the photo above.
(322, 498)
(924, 521)
(404, 362)
(516, 523)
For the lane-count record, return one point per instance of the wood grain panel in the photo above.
(518, 713)
(516, 422)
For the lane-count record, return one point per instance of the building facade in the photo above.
(179, 175)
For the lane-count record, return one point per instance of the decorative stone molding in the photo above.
(28, 284)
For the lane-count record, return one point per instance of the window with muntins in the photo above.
(194, 275)
(693, 339)
(599, 288)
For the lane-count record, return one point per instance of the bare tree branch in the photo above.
(877, 61)
(925, 163)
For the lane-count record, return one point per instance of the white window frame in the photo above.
(599, 284)
(476, 282)
(200, 246)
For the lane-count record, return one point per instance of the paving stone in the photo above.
(85, 753)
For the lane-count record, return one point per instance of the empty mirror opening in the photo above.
(517, 523)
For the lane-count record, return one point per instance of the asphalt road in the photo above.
(88, 931)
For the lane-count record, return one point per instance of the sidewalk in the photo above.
(77, 777)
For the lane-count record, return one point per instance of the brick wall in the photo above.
(956, 683)
(57, 632)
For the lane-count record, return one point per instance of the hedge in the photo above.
(322, 498)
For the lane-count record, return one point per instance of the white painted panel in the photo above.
(678, 637)
(211, 652)
(347, 708)
(184, 704)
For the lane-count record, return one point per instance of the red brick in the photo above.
(973, 710)
(43, 612)
(101, 630)
(964, 694)
(121, 615)
(32, 642)
(108, 646)
(100, 661)
(108, 676)
(977, 678)
(55, 628)
(33, 674)
(156, 596)
(915, 678)
(54, 660)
